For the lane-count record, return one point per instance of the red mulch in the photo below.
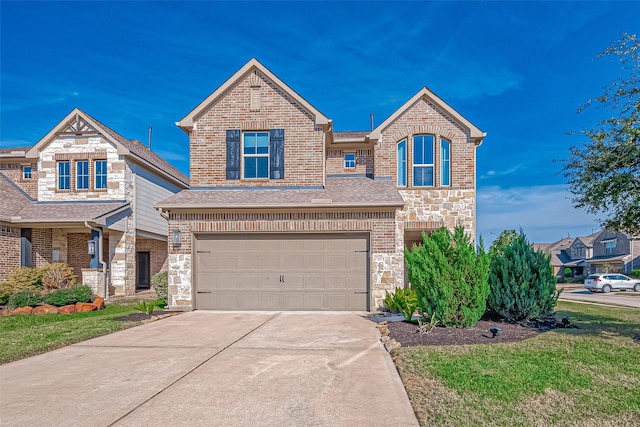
(407, 334)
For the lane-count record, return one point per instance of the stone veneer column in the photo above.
(387, 274)
(123, 261)
(94, 278)
(180, 281)
(59, 245)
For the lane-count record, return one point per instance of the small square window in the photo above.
(350, 161)
(26, 172)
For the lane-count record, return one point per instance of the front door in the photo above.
(143, 270)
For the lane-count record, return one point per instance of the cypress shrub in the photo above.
(522, 283)
(160, 283)
(449, 277)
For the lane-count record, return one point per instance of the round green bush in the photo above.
(160, 283)
(71, 295)
(26, 297)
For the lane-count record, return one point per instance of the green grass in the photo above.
(584, 377)
(27, 335)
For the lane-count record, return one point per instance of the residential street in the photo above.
(624, 298)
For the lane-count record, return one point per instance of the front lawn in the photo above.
(27, 335)
(567, 377)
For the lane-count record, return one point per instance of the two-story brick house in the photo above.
(83, 182)
(284, 212)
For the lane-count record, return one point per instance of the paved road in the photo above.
(625, 298)
(208, 369)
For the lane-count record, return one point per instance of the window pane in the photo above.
(417, 151)
(423, 149)
(423, 176)
(350, 161)
(63, 176)
(82, 175)
(262, 143)
(250, 168)
(262, 167)
(250, 143)
(445, 162)
(402, 164)
(101, 174)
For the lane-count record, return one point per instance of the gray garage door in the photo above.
(281, 272)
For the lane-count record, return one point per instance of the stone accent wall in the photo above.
(303, 155)
(122, 252)
(80, 148)
(41, 245)
(94, 278)
(448, 208)
(387, 270)
(157, 252)
(335, 162)
(13, 171)
(9, 250)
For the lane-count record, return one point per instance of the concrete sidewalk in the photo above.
(212, 368)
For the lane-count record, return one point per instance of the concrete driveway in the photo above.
(212, 368)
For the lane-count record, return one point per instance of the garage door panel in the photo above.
(285, 271)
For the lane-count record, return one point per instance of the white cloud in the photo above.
(543, 212)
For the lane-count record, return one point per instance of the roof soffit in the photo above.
(475, 133)
(187, 122)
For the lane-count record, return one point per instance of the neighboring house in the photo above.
(284, 212)
(602, 250)
(84, 188)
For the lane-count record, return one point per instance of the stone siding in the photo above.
(387, 269)
(303, 155)
(9, 250)
(81, 148)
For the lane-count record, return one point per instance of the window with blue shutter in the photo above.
(233, 154)
(276, 153)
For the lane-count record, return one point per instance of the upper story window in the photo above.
(350, 161)
(100, 178)
(252, 155)
(445, 162)
(64, 175)
(423, 148)
(82, 175)
(255, 152)
(610, 247)
(26, 172)
(401, 166)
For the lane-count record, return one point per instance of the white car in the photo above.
(606, 282)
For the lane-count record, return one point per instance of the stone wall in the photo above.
(94, 278)
(74, 149)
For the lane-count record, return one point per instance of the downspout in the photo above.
(100, 260)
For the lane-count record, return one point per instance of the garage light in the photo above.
(175, 237)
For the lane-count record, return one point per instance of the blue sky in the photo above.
(517, 70)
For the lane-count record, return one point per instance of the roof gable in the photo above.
(77, 122)
(253, 65)
(475, 133)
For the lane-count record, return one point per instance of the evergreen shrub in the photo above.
(70, 295)
(449, 278)
(24, 297)
(160, 283)
(522, 283)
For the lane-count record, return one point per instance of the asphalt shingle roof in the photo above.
(338, 192)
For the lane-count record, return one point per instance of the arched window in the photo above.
(401, 168)
(445, 162)
(423, 160)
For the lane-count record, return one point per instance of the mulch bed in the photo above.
(407, 333)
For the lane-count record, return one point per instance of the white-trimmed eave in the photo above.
(475, 133)
(186, 124)
(33, 152)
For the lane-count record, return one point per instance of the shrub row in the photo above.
(50, 277)
(58, 297)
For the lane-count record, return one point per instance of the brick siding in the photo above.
(77, 256)
(41, 240)
(364, 162)
(13, 171)
(157, 253)
(9, 250)
(303, 156)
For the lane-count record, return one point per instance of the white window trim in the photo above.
(345, 160)
(95, 175)
(404, 177)
(24, 169)
(243, 155)
(423, 165)
(442, 163)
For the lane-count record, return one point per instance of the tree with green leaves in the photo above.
(521, 281)
(504, 239)
(449, 277)
(604, 174)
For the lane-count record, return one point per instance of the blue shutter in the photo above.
(233, 154)
(276, 153)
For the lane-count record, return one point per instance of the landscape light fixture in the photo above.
(175, 237)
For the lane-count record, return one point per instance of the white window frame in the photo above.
(350, 163)
(244, 156)
(27, 170)
(445, 161)
(401, 164)
(424, 165)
